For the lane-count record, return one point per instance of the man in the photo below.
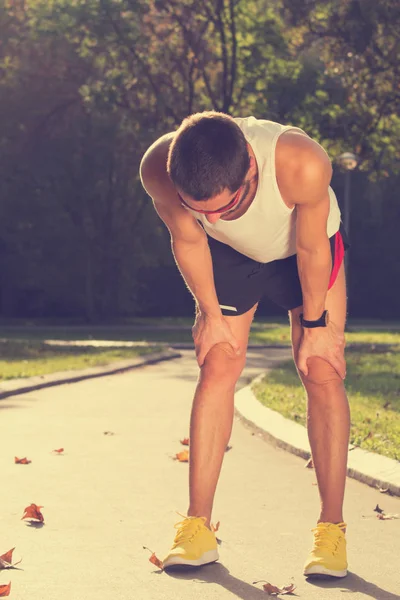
(250, 212)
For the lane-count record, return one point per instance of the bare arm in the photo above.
(307, 188)
(188, 239)
(192, 255)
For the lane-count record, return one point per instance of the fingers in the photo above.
(201, 353)
(339, 364)
(302, 364)
(235, 345)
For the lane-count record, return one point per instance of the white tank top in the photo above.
(267, 230)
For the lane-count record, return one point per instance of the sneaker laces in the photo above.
(187, 529)
(327, 536)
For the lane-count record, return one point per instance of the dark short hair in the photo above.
(207, 155)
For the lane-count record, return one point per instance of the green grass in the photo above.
(276, 334)
(373, 387)
(29, 358)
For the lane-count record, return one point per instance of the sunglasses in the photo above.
(223, 209)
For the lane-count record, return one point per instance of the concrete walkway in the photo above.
(110, 495)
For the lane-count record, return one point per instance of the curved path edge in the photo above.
(15, 387)
(370, 468)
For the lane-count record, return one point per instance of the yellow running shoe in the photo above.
(328, 556)
(194, 544)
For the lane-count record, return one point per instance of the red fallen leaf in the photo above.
(59, 451)
(6, 560)
(22, 461)
(153, 559)
(5, 590)
(33, 512)
(309, 464)
(182, 456)
(215, 528)
(274, 591)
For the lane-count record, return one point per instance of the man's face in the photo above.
(219, 206)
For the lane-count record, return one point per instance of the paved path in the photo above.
(109, 495)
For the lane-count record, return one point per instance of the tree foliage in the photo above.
(87, 85)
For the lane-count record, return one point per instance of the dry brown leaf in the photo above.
(6, 560)
(5, 590)
(215, 528)
(274, 591)
(22, 461)
(388, 517)
(153, 558)
(108, 433)
(182, 456)
(309, 464)
(33, 512)
(59, 451)
(378, 509)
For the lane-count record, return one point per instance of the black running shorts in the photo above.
(241, 282)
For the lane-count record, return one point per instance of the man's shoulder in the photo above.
(154, 161)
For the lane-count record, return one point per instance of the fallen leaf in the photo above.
(22, 461)
(378, 509)
(153, 558)
(108, 433)
(388, 517)
(59, 451)
(228, 448)
(6, 560)
(215, 528)
(274, 591)
(182, 456)
(309, 464)
(33, 512)
(5, 590)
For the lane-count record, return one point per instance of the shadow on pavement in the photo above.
(353, 583)
(218, 574)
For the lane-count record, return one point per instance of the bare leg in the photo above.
(212, 416)
(328, 415)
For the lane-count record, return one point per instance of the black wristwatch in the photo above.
(321, 322)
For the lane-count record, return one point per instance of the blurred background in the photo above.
(87, 85)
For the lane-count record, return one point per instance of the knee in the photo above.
(222, 366)
(321, 375)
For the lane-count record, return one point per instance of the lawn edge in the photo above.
(367, 467)
(14, 387)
